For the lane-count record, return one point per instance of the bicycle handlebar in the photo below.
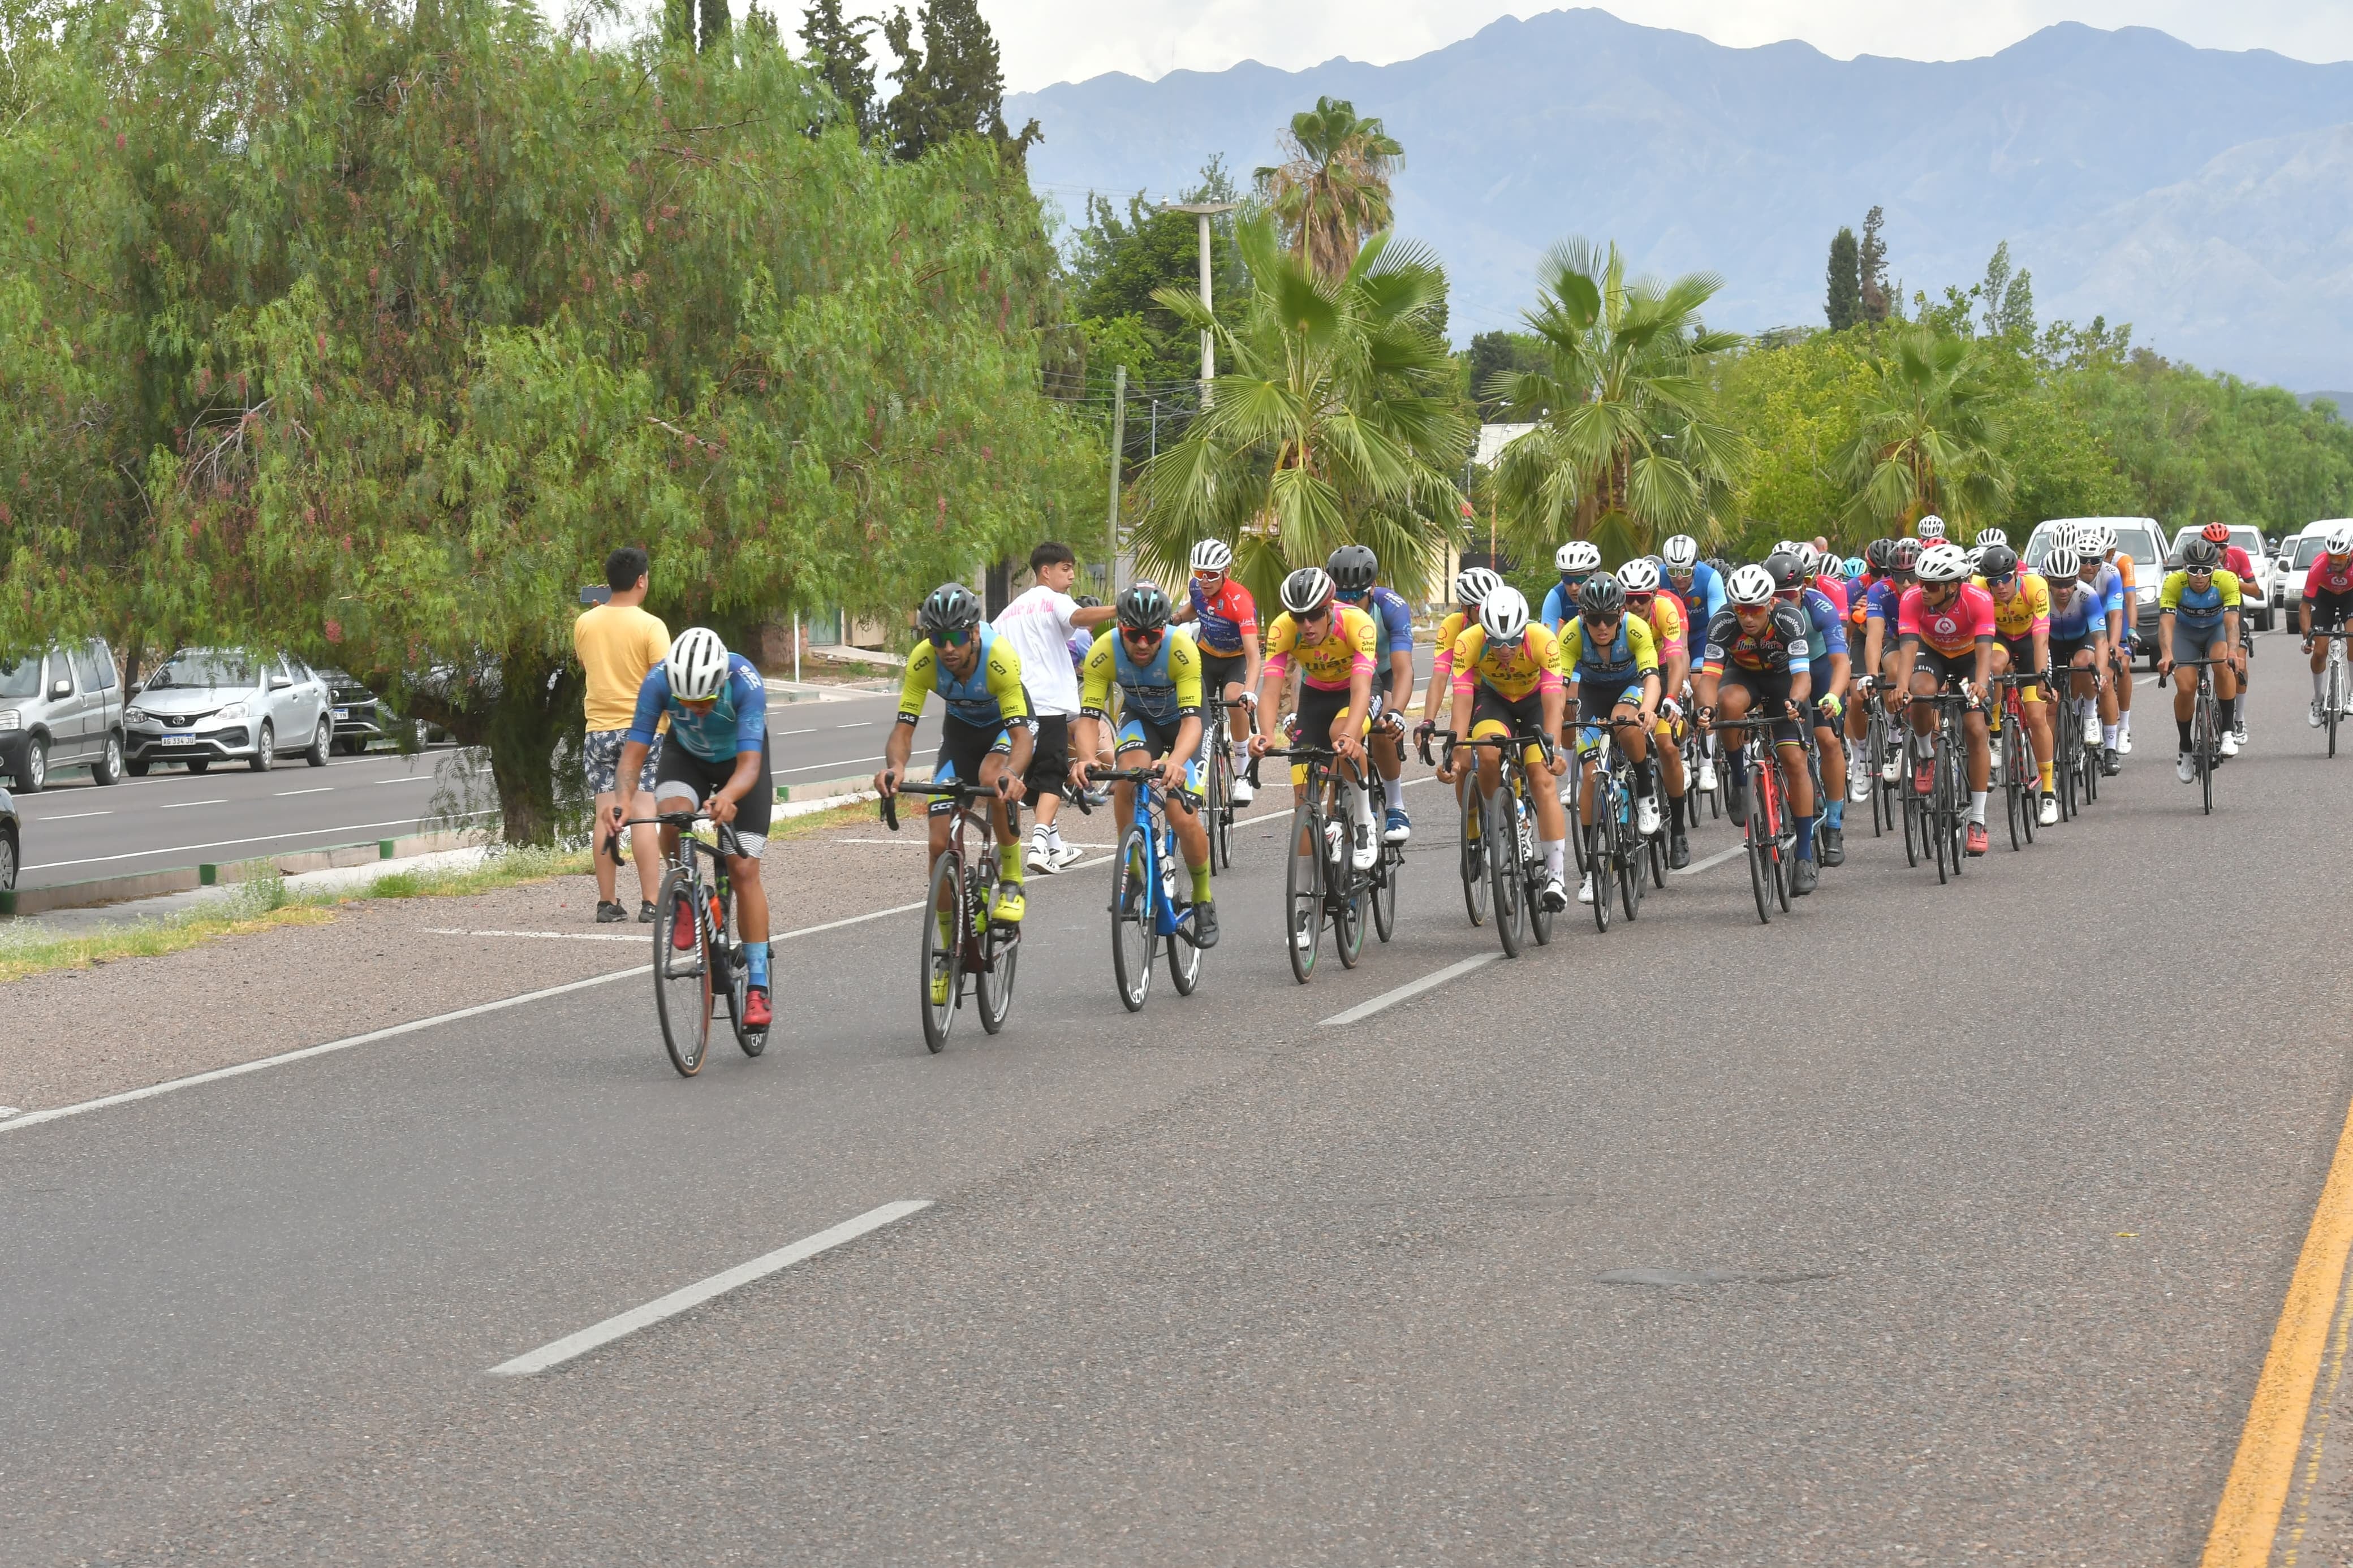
(1193, 799)
(960, 791)
(729, 845)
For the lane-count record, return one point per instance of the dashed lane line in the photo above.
(1408, 990)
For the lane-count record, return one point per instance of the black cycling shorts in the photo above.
(2330, 611)
(963, 748)
(1050, 756)
(1219, 671)
(701, 778)
(1768, 692)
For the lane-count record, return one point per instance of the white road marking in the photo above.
(227, 843)
(7, 1111)
(316, 789)
(176, 805)
(1411, 989)
(539, 935)
(1718, 859)
(70, 817)
(844, 763)
(572, 1345)
(861, 724)
(778, 734)
(372, 1036)
(410, 778)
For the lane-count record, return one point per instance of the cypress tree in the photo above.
(714, 26)
(836, 48)
(949, 85)
(1844, 306)
(1872, 261)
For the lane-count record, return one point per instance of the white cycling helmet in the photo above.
(1681, 552)
(1975, 555)
(1991, 536)
(2103, 537)
(1931, 527)
(1942, 563)
(1503, 614)
(1212, 555)
(1639, 576)
(2339, 540)
(1474, 583)
(1577, 555)
(1306, 589)
(1750, 587)
(2063, 561)
(697, 665)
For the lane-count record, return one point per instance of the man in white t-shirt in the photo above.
(1042, 623)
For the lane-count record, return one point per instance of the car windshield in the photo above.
(2137, 543)
(22, 678)
(2307, 549)
(202, 672)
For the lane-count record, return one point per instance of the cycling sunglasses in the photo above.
(955, 637)
(1209, 576)
(1142, 634)
(2198, 571)
(2004, 581)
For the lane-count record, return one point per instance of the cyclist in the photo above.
(985, 738)
(1353, 568)
(1612, 662)
(1825, 574)
(716, 759)
(1756, 660)
(1641, 579)
(2197, 606)
(2106, 565)
(1507, 681)
(1472, 586)
(2022, 628)
(2239, 564)
(1865, 576)
(1698, 588)
(1575, 561)
(1946, 623)
(1883, 610)
(1333, 647)
(1828, 663)
(2079, 634)
(2326, 603)
(1225, 628)
(1158, 672)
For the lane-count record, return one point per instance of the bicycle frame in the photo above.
(984, 950)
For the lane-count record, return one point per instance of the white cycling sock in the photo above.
(2124, 722)
(2320, 683)
(2107, 734)
(1977, 807)
(1393, 790)
(1556, 854)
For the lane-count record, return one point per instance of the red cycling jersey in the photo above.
(2328, 577)
(1953, 630)
(2235, 561)
(1225, 618)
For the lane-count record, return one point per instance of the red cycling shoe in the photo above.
(682, 935)
(755, 1008)
(1976, 838)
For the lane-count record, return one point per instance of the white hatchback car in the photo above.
(2141, 538)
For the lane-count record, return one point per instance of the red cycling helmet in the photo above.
(2219, 533)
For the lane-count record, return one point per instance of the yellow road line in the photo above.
(2248, 1516)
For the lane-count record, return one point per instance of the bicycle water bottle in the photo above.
(1168, 874)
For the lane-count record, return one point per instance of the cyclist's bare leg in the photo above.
(1973, 726)
(751, 898)
(1923, 717)
(992, 768)
(1797, 780)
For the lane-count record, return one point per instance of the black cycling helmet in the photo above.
(1997, 560)
(1788, 572)
(952, 607)
(1874, 554)
(1088, 602)
(2201, 555)
(1353, 568)
(1603, 596)
(1720, 566)
(1904, 556)
(1143, 608)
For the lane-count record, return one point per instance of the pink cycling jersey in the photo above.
(2328, 577)
(1953, 630)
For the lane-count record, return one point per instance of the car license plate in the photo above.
(342, 712)
(181, 739)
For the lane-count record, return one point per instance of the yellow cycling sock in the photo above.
(1200, 882)
(2046, 778)
(1008, 863)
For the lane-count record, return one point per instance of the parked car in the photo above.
(2297, 552)
(2141, 538)
(61, 710)
(362, 718)
(2259, 592)
(207, 705)
(12, 842)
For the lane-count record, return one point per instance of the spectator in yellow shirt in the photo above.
(618, 642)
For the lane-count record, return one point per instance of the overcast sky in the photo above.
(1047, 41)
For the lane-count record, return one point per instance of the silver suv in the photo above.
(61, 710)
(208, 705)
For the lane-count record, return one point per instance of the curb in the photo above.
(836, 790)
(212, 874)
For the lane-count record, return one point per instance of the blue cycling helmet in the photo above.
(1852, 568)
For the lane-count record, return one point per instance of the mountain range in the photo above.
(2205, 197)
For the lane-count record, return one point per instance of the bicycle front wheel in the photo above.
(942, 976)
(1385, 892)
(1760, 862)
(1221, 807)
(2208, 749)
(1302, 925)
(1132, 937)
(682, 974)
(1504, 884)
(1344, 885)
(1474, 858)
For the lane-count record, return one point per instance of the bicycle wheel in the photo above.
(1303, 891)
(1761, 863)
(1474, 867)
(2202, 737)
(1343, 886)
(682, 975)
(1629, 869)
(1597, 868)
(2335, 693)
(1183, 958)
(1504, 881)
(940, 980)
(751, 1042)
(1915, 808)
(1131, 938)
(1385, 890)
(1222, 806)
(1658, 862)
(1777, 816)
(2015, 761)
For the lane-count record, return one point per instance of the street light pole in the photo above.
(1204, 211)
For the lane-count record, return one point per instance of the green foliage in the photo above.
(1498, 354)
(1927, 437)
(1799, 403)
(1844, 305)
(1332, 194)
(372, 339)
(950, 84)
(837, 52)
(1879, 301)
(1117, 266)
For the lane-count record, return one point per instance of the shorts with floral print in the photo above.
(601, 754)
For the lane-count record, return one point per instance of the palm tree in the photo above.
(1339, 423)
(1927, 436)
(1333, 192)
(1628, 445)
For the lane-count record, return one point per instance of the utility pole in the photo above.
(1118, 450)
(1204, 211)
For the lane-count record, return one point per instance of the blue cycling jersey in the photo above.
(737, 722)
(2084, 615)
(1392, 626)
(1703, 599)
(1825, 627)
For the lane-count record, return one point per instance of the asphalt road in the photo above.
(1928, 1224)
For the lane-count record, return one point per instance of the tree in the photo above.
(1871, 257)
(2007, 295)
(1493, 354)
(1118, 265)
(951, 84)
(1844, 305)
(1333, 192)
(1630, 445)
(836, 51)
(1928, 439)
(1338, 422)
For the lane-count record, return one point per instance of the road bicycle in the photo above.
(2022, 775)
(1883, 755)
(1938, 817)
(1145, 909)
(1620, 850)
(1218, 774)
(962, 947)
(1322, 886)
(1511, 862)
(2337, 687)
(1767, 834)
(2075, 761)
(2205, 721)
(698, 947)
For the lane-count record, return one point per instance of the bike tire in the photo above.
(1385, 892)
(1000, 952)
(1776, 809)
(2206, 740)
(2012, 785)
(1760, 866)
(1474, 867)
(1303, 890)
(2336, 700)
(1505, 889)
(1220, 806)
(1658, 863)
(942, 952)
(1346, 890)
(1132, 909)
(1183, 958)
(681, 979)
(1630, 875)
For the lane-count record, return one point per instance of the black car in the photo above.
(362, 718)
(12, 843)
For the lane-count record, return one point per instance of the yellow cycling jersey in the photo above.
(1163, 689)
(1512, 671)
(2026, 611)
(1632, 652)
(1441, 662)
(1667, 625)
(1348, 645)
(990, 696)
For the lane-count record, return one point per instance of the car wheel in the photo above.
(136, 767)
(322, 745)
(34, 776)
(7, 860)
(265, 750)
(109, 768)
(357, 745)
(198, 765)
